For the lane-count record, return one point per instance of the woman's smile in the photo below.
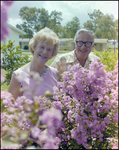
(42, 56)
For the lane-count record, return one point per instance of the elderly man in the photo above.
(84, 43)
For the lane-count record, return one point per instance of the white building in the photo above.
(13, 35)
(100, 44)
(112, 42)
(68, 44)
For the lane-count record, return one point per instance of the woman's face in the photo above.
(43, 52)
(83, 51)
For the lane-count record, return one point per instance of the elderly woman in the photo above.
(84, 43)
(44, 46)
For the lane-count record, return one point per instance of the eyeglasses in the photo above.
(87, 43)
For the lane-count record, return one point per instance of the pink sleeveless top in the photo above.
(50, 79)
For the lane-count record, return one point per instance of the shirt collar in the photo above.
(72, 58)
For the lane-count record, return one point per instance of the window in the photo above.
(62, 44)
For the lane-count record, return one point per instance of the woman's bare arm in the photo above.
(14, 87)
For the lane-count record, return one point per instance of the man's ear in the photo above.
(93, 45)
(74, 44)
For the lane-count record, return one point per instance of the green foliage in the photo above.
(12, 59)
(103, 26)
(88, 25)
(72, 26)
(55, 19)
(95, 16)
(106, 26)
(35, 19)
(108, 58)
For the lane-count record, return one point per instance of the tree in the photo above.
(72, 26)
(12, 59)
(106, 25)
(102, 25)
(88, 25)
(55, 21)
(35, 19)
(95, 17)
(116, 28)
(44, 18)
(63, 32)
(25, 28)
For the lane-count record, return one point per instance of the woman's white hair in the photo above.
(45, 35)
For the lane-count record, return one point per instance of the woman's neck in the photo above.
(37, 68)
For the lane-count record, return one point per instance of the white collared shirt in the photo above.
(62, 62)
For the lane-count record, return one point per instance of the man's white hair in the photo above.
(84, 30)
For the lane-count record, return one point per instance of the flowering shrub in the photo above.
(90, 100)
(82, 112)
(108, 58)
(12, 59)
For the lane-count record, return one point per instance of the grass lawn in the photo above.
(4, 86)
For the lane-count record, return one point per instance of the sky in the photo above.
(69, 9)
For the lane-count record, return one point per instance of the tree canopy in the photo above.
(103, 26)
(33, 19)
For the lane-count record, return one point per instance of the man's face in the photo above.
(82, 52)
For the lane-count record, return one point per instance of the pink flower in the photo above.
(7, 4)
(2, 77)
(4, 17)
(35, 131)
(116, 117)
(50, 118)
(57, 104)
(50, 145)
(114, 146)
(107, 120)
(6, 95)
(4, 28)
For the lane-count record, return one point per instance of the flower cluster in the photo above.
(30, 120)
(4, 17)
(82, 112)
(89, 101)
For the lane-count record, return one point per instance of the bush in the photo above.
(12, 59)
(26, 46)
(81, 114)
(108, 58)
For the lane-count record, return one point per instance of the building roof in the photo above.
(16, 29)
(96, 40)
(61, 40)
(24, 40)
(100, 40)
(68, 39)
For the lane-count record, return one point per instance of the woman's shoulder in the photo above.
(23, 69)
(53, 72)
